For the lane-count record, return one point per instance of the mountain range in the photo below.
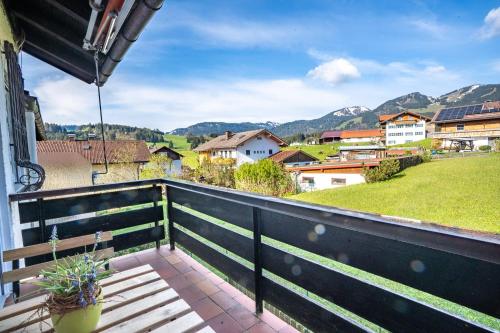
(358, 117)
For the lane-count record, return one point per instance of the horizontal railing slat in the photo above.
(308, 312)
(236, 214)
(381, 306)
(464, 280)
(236, 271)
(229, 240)
(108, 222)
(69, 206)
(138, 237)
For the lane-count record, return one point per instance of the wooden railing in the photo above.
(279, 250)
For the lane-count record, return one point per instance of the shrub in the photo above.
(264, 177)
(485, 148)
(156, 167)
(384, 171)
(219, 172)
(497, 145)
(426, 156)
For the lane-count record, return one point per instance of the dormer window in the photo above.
(460, 127)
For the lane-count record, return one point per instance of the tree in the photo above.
(157, 167)
(265, 177)
(384, 171)
(219, 172)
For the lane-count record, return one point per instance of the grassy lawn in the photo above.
(190, 158)
(458, 192)
(179, 141)
(322, 151)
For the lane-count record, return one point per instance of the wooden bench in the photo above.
(17, 274)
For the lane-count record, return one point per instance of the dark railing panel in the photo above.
(138, 237)
(237, 214)
(103, 223)
(461, 279)
(229, 240)
(309, 313)
(383, 307)
(236, 271)
(56, 208)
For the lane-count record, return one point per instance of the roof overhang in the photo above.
(403, 113)
(54, 30)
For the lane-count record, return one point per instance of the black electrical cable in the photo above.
(96, 60)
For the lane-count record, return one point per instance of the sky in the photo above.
(280, 60)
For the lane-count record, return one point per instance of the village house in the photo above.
(467, 127)
(330, 136)
(243, 147)
(125, 159)
(351, 153)
(365, 135)
(290, 158)
(403, 127)
(325, 176)
(175, 167)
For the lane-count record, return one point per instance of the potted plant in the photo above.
(75, 298)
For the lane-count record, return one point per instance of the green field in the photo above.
(322, 151)
(458, 192)
(179, 141)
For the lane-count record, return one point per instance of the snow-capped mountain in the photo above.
(351, 111)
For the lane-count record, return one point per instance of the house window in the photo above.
(213, 153)
(338, 181)
(391, 142)
(419, 133)
(409, 133)
(259, 138)
(419, 125)
(270, 151)
(400, 126)
(460, 127)
(247, 152)
(308, 180)
(409, 125)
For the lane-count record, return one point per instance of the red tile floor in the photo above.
(225, 308)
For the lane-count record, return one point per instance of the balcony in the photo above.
(467, 134)
(230, 254)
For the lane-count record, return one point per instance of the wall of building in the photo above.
(259, 149)
(470, 126)
(322, 181)
(371, 139)
(398, 133)
(117, 172)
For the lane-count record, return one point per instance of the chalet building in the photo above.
(175, 167)
(365, 135)
(330, 136)
(325, 176)
(244, 147)
(403, 127)
(290, 158)
(125, 159)
(352, 153)
(467, 127)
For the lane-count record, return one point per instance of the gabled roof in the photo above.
(330, 134)
(234, 140)
(368, 133)
(165, 149)
(283, 155)
(116, 151)
(484, 111)
(386, 117)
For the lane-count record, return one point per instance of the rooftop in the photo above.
(365, 133)
(285, 154)
(233, 140)
(484, 111)
(116, 151)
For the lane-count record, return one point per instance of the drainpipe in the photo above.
(132, 28)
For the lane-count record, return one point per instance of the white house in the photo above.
(403, 127)
(175, 166)
(244, 147)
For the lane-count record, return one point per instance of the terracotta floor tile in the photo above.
(223, 323)
(167, 272)
(179, 282)
(183, 267)
(207, 309)
(243, 316)
(125, 263)
(246, 301)
(208, 287)
(194, 276)
(173, 259)
(288, 329)
(215, 278)
(229, 289)
(191, 294)
(223, 300)
(261, 328)
(272, 320)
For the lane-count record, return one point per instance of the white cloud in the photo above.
(496, 65)
(491, 27)
(335, 71)
(430, 27)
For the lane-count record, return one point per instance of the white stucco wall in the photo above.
(372, 139)
(259, 149)
(31, 134)
(405, 133)
(174, 169)
(323, 181)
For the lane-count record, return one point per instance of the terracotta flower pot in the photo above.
(79, 321)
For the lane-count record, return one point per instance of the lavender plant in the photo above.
(73, 282)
